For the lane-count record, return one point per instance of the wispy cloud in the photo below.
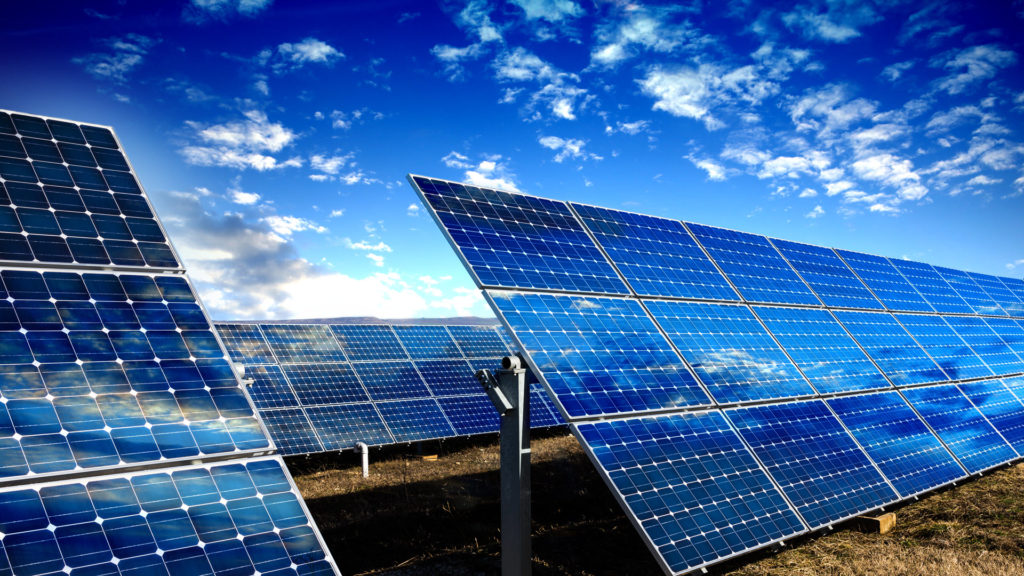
(203, 10)
(125, 54)
(567, 148)
(475, 19)
(240, 144)
(491, 172)
(559, 92)
(831, 21)
(635, 28)
(972, 65)
(291, 56)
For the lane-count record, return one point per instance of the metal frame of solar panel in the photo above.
(127, 442)
(734, 390)
(324, 387)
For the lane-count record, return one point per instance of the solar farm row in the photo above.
(735, 390)
(325, 387)
(127, 444)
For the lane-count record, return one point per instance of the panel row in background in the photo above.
(325, 387)
(693, 484)
(69, 196)
(525, 242)
(607, 355)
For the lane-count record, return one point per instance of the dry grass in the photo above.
(415, 517)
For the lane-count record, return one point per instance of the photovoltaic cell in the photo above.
(245, 343)
(412, 420)
(1016, 386)
(479, 341)
(898, 441)
(542, 412)
(995, 289)
(943, 344)
(829, 277)
(316, 384)
(932, 286)
(986, 344)
(885, 281)
(427, 342)
(368, 342)
(291, 431)
(342, 425)
(695, 490)
(471, 414)
(302, 343)
(891, 347)
(657, 256)
(599, 355)
(961, 427)
(822, 349)
(729, 349)
(813, 459)
(269, 389)
(754, 266)
(1000, 407)
(969, 290)
(513, 240)
(391, 380)
(1016, 287)
(452, 377)
(1010, 331)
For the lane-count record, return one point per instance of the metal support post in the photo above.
(511, 396)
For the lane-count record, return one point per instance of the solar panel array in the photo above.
(325, 387)
(127, 443)
(735, 390)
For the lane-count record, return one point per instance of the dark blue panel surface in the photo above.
(472, 414)
(891, 347)
(302, 343)
(730, 351)
(427, 342)
(291, 431)
(948, 350)
(412, 420)
(997, 290)
(829, 277)
(316, 384)
(1002, 409)
(888, 285)
(932, 286)
(269, 389)
(959, 424)
(657, 256)
(479, 341)
(899, 442)
(719, 503)
(822, 349)
(986, 344)
(754, 266)
(341, 426)
(453, 377)
(368, 342)
(1016, 287)
(245, 343)
(391, 380)
(518, 241)
(813, 459)
(969, 290)
(1009, 331)
(600, 356)
(543, 412)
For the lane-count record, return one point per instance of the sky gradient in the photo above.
(273, 138)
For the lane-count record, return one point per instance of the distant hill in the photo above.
(459, 320)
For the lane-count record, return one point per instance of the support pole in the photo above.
(364, 451)
(511, 396)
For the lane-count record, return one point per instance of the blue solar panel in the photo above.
(427, 342)
(827, 275)
(997, 290)
(302, 343)
(245, 343)
(513, 240)
(822, 349)
(291, 431)
(892, 349)
(269, 389)
(932, 286)
(986, 344)
(1016, 386)
(1016, 287)
(1010, 331)
(813, 459)
(885, 281)
(342, 425)
(453, 377)
(479, 341)
(600, 356)
(316, 384)
(754, 266)
(543, 413)
(1002, 409)
(898, 441)
(391, 380)
(696, 491)
(969, 290)
(961, 427)
(943, 344)
(368, 342)
(471, 414)
(730, 351)
(657, 256)
(412, 420)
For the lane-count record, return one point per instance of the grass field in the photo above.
(416, 517)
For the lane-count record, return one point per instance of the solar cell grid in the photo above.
(513, 240)
(316, 384)
(599, 355)
(269, 389)
(891, 347)
(969, 290)
(245, 343)
(898, 441)
(657, 256)
(819, 467)
(986, 344)
(542, 412)
(412, 420)
(1010, 331)
(427, 342)
(754, 266)
(885, 281)
(452, 377)
(730, 351)
(471, 414)
(368, 342)
(945, 347)
(291, 430)
(302, 343)
(479, 341)
(960, 426)
(340, 426)
(828, 276)
(822, 349)
(933, 287)
(391, 380)
(1000, 407)
(995, 289)
(694, 489)
(1016, 287)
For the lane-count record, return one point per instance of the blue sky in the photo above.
(274, 137)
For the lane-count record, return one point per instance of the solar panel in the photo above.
(898, 441)
(452, 377)
(969, 290)
(293, 432)
(471, 415)
(885, 281)
(818, 465)
(730, 351)
(368, 342)
(269, 389)
(1010, 331)
(657, 256)
(305, 343)
(932, 286)
(427, 342)
(891, 347)
(827, 275)
(1000, 407)
(316, 384)
(1016, 287)
(412, 420)
(819, 345)
(986, 344)
(340, 426)
(945, 347)
(995, 289)
(245, 343)
(479, 341)
(961, 427)
(754, 266)
(691, 485)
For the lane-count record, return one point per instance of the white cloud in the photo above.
(891, 171)
(329, 164)
(631, 128)
(638, 28)
(202, 10)
(983, 180)
(244, 198)
(365, 245)
(817, 212)
(829, 109)
(240, 144)
(715, 171)
(785, 166)
(808, 193)
(559, 91)
(550, 10)
(386, 294)
(1014, 264)
(337, 213)
(475, 18)
(839, 23)
(893, 72)
(567, 148)
(413, 210)
(491, 172)
(692, 93)
(292, 56)
(974, 64)
(285, 226)
(126, 54)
